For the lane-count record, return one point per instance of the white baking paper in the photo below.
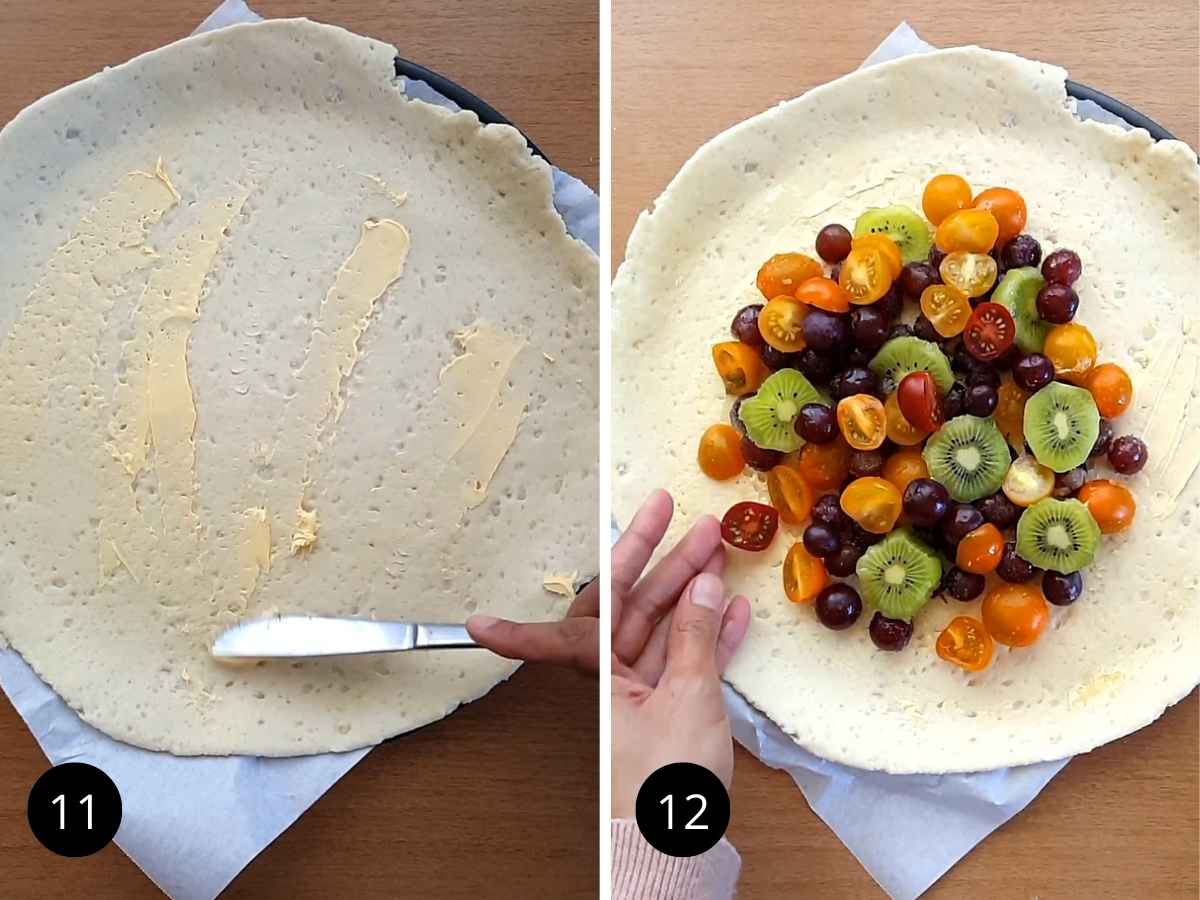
(193, 823)
(906, 830)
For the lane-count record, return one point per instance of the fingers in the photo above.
(734, 626)
(696, 626)
(587, 601)
(571, 642)
(655, 594)
(636, 545)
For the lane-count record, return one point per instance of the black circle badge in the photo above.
(74, 809)
(682, 809)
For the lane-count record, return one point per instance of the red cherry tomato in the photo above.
(920, 402)
(990, 331)
(749, 525)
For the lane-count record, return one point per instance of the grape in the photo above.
(1128, 454)
(821, 540)
(889, 634)
(890, 304)
(1062, 590)
(981, 400)
(825, 331)
(838, 606)
(777, 359)
(955, 400)
(1057, 303)
(842, 564)
(963, 586)
(869, 327)
(1067, 484)
(999, 510)
(864, 463)
(758, 457)
(926, 502)
(745, 325)
(856, 380)
(923, 328)
(1062, 267)
(735, 418)
(1033, 372)
(1103, 439)
(1021, 251)
(816, 423)
(1013, 568)
(914, 278)
(833, 243)
(935, 260)
(860, 356)
(962, 519)
(900, 330)
(828, 511)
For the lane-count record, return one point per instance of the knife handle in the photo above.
(434, 637)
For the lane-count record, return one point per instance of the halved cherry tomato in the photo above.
(904, 467)
(1073, 351)
(824, 466)
(920, 401)
(1111, 388)
(720, 455)
(749, 525)
(972, 273)
(866, 275)
(947, 308)
(874, 503)
(804, 575)
(784, 272)
(740, 367)
(972, 230)
(1008, 208)
(1015, 614)
(945, 194)
(781, 323)
(823, 293)
(899, 429)
(884, 245)
(863, 421)
(990, 331)
(980, 551)
(790, 494)
(966, 643)
(1111, 504)
(1027, 481)
(1010, 412)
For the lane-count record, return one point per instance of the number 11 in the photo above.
(61, 802)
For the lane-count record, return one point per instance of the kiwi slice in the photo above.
(1017, 292)
(770, 414)
(899, 574)
(1061, 426)
(902, 355)
(1059, 535)
(969, 456)
(903, 225)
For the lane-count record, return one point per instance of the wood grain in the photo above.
(1121, 821)
(501, 798)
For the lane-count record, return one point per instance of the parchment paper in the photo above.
(191, 824)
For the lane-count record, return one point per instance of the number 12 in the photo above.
(669, 802)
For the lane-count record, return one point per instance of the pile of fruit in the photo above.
(948, 453)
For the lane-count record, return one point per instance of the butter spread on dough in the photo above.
(305, 536)
(254, 553)
(563, 585)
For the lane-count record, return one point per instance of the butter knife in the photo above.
(297, 637)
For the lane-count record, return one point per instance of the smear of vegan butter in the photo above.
(254, 550)
(485, 416)
(563, 585)
(397, 197)
(305, 536)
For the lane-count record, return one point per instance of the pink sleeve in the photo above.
(639, 872)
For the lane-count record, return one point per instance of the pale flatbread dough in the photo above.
(274, 338)
(1131, 645)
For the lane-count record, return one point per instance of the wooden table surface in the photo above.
(501, 798)
(1118, 822)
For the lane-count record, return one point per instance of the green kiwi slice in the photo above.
(1061, 426)
(1017, 292)
(1059, 535)
(770, 414)
(899, 574)
(902, 355)
(903, 225)
(969, 456)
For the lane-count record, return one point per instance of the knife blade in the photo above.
(293, 637)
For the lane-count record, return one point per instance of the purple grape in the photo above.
(1013, 568)
(1067, 484)
(842, 564)
(962, 519)
(833, 243)
(816, 423)
(982, 400)
(860, 356)
(1021, 251)
(758, 457)
(816, 366)
(828, 511)
(935, 260)
(1103, 439)
(1062, 267)
(955, 401)
(1057, 303)
(869, 327)
(1128, 454)
(900, 330)
(777, 359)
(1062, 590)
(999, 510)
(915, 277)
(735, 418)
(821, 540)
(825, 331)
(890, 304)
(963, 586)
(889, 634)
(838, 606)
(745, 325)
(923, 328)
(926, 502)
(1033, 372)
(864, 463)
(856, 380)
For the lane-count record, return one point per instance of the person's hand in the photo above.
(573, 641)
(673, 634)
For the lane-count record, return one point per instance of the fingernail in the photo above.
(707, 591)
(483, 623)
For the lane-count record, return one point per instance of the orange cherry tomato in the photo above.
(1015, 614)
(919, 401)
(980, 551)
(804, 575)
(740, 367)
(749, 525)
(784, 272)
(1008, 208)
(904, 467)
(874, 503)
(781, 323)
(824, 466)
(720, 455)
(1073, 350)
(947, 308)
(972, 230)
(863, 421)
(884, 245)
(1111, 504)
(1111, 388)
(1010, 412)
(823, 293)
(972, 273)
(866, 275)
(899, 429)
(790, 494)
(945, 194)
(966, 643)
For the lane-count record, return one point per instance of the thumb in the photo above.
(695, 628)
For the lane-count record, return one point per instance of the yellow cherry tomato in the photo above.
(972, 230)
(945, 194)
(1072, 349)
